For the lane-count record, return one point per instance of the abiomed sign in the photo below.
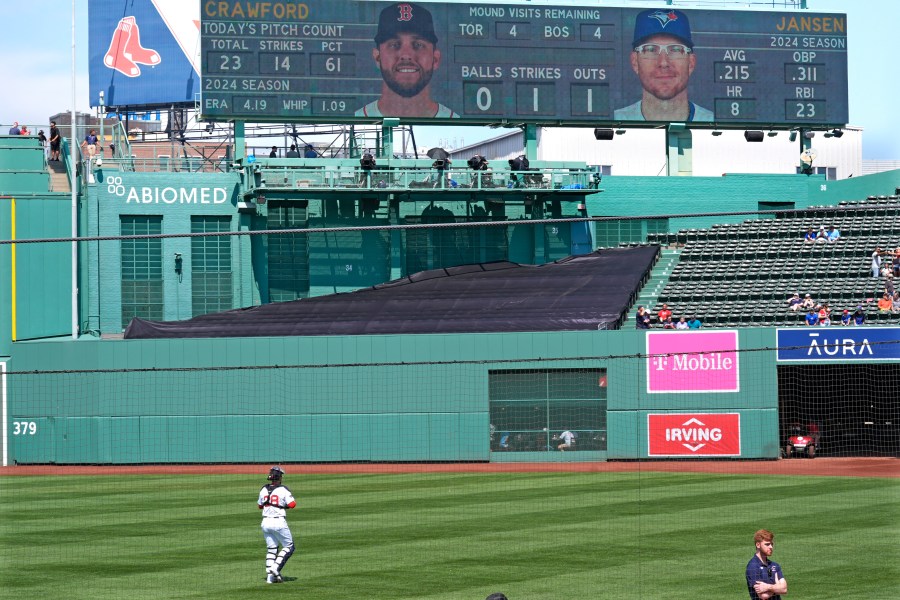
(116, 186)
(694, 434)
(845, 344)
(692, 362)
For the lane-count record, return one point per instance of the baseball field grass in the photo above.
(448, 536)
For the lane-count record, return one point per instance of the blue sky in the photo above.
(36, 47)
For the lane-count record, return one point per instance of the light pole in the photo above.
(73, 148)
(102, 110)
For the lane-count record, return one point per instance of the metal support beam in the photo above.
(531, 144)
(679, 150)
(240, 142)
(387, 137)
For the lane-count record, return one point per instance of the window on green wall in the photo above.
(613, 233)
(142, 279)
(530, 409)
(287, 255)
(211, 277)
(763, 206)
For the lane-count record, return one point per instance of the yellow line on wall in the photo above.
(12, 232)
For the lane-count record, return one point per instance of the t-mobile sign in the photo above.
(692, 361)
(694, 434)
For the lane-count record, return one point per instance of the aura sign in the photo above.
(692, 362)
(843, 344)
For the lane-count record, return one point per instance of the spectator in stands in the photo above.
(824, 315)
(794, 302)
(876, 263)
(664, 313)
(895, 303)
(822, 235)
(90, 143)
(889, 284)
(812, 317)
(695, 323)
(310, 152)
(24, 130)
(859, 316)
(846, 317)
(42, 138)
(810, 235)
(885, 304)
(668, 323)
(834, 234)
(55, 141)
(681, 324)
(292, 153)
(642, 319)
(14, 130)
(895, 263)
(274, 152)
(808, 303)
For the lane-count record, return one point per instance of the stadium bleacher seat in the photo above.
(734, 275)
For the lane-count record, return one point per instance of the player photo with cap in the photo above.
(663, 58)
(406, 53)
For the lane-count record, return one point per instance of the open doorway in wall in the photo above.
(853, 406)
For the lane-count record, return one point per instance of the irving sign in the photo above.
(694, 434)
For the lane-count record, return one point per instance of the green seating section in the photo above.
(22, 166)
(742, 274)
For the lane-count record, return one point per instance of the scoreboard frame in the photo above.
(312, 61)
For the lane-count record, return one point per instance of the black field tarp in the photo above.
(586, 292)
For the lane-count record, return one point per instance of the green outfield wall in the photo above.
(364, 398)
(43, 272)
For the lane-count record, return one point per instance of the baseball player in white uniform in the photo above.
(274, 500)
(568, 440)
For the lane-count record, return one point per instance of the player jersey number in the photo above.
(273, 500)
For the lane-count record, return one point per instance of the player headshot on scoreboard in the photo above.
(406, 53)
(663, 58)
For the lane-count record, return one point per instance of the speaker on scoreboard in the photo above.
(603, 134)
(754, 136)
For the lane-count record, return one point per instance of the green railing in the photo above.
(191, 164)
(268, 177)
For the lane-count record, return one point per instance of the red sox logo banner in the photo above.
(694, 434)
(125, 50)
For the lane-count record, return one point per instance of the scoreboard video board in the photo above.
(318, 61)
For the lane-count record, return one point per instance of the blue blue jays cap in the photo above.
(659, 21)
(405, 17)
